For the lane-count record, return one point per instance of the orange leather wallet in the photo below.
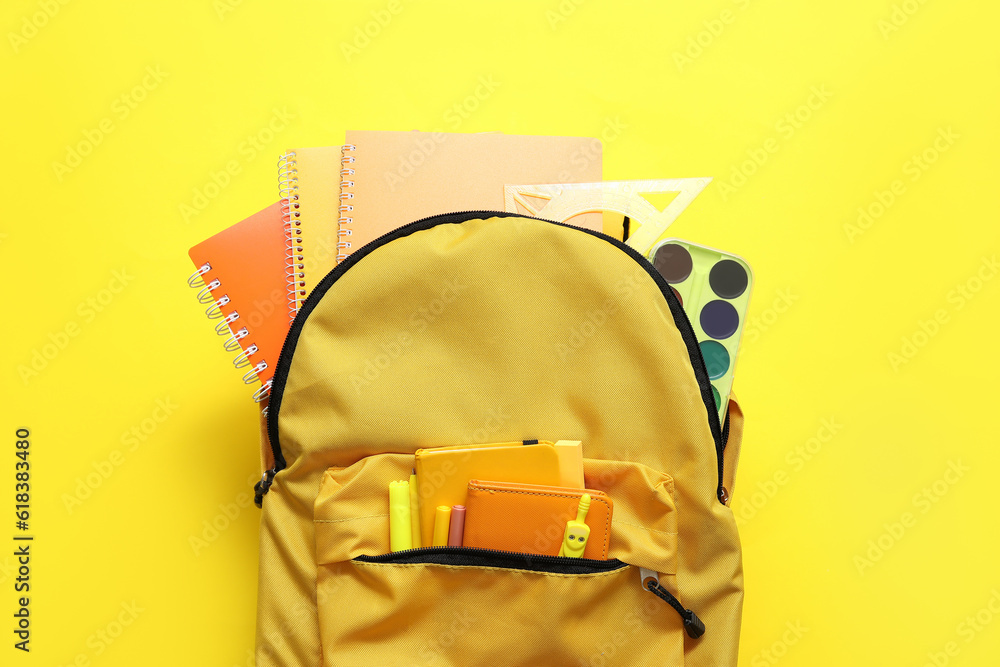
(531, 519)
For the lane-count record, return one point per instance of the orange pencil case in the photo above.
(531, 518)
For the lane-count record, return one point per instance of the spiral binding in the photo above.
(288, 190)
(346, 195)
(195, 280)
(214, 312)
(222, 328)
(262, 393)
(251, 375)
(205, 295)
(242, 359)
(233, 342)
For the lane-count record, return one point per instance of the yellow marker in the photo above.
(442, 523)
(414, 509)
(577, 532)
(400, 531)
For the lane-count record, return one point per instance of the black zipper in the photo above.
(261, 488)
(476, 557)
(693, 625)
(510, 560)
(721, 491)
(681, 321)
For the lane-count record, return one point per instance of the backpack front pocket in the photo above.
(467, 607)
(464, 606)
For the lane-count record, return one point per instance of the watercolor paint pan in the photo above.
(714, 288)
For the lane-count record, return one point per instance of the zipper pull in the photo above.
(651, 582)
(262, 487)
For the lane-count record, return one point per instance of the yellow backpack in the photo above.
(484, 327)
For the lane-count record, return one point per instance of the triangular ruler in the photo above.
(631, 198)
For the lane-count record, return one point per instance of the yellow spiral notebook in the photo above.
(308, 183)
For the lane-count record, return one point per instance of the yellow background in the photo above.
(698, 91)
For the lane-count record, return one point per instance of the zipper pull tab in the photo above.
(262, 487)
(693, 625)
(648, 575)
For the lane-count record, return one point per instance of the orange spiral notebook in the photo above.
(241, 274)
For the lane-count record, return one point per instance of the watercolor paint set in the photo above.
(714, 288)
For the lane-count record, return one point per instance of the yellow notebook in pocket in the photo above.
(443, 473)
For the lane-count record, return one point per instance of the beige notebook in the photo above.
(398, 177)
